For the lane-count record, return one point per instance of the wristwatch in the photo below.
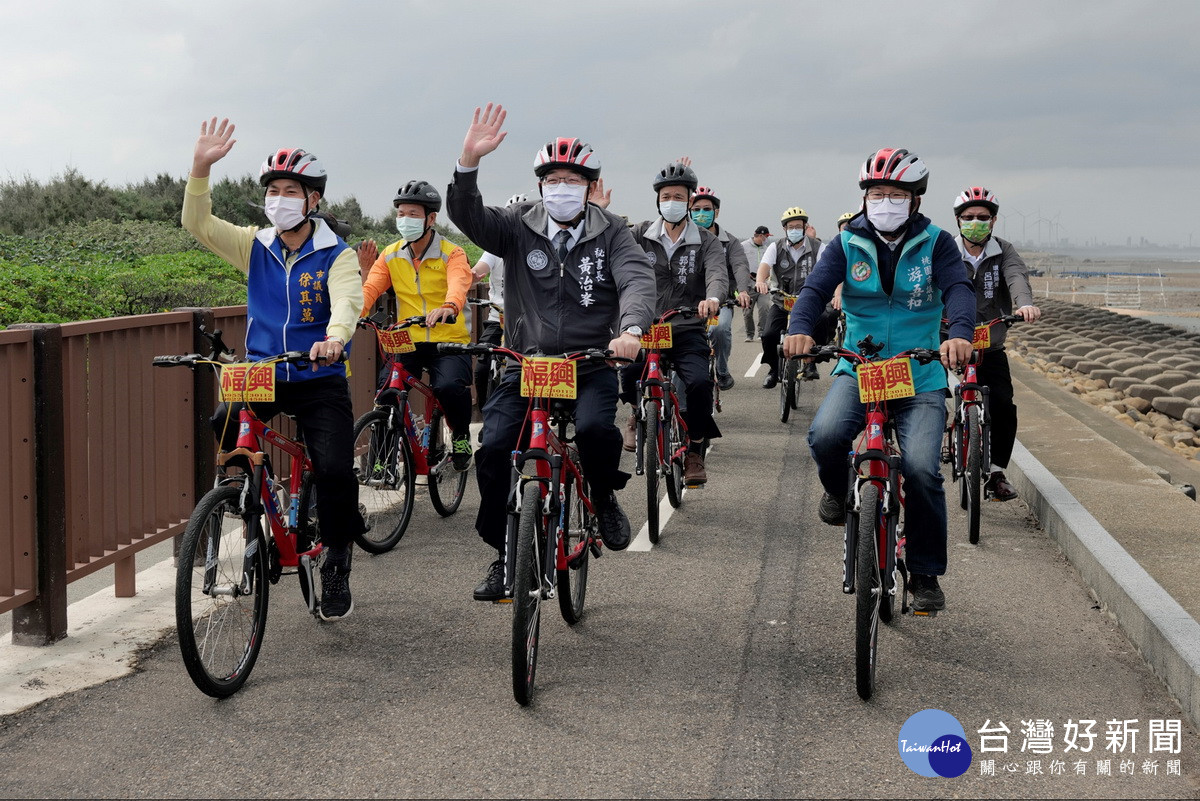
(635, 330)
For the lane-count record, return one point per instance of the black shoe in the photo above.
(725, 382)
(336, 602)
(770, 381)
(492, 586)
(927, 595)
(832, 510)
(809, 372)
(998, 488)
(614, 525)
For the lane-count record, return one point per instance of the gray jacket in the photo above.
(790, 271)
(1001, 283)
(695, 271)
(738, 266)
(604, 286)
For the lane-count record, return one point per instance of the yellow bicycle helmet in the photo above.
(847, 217)
(794, 213)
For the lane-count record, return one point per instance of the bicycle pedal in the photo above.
(594, 547)
(927, 613)
(694, 486)
(503, 601)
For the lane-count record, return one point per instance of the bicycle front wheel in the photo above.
(221, 593)
(579, 527)
(676, 440)
(383, 467)
(446, 485)
(787, 388)
(868, 589)
(973, 477)
(527, 592)
(652, 420)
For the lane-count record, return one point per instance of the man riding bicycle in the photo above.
(303, 292)
(901, 275)
(431, 276)
(785, 266)
(689, 269)
(574, 279)
(1001, 281)
(706, 208)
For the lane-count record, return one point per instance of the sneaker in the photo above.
(927, 595)
(997, 487)
(750, 337)
(770, 381)
(460, 454)
(614, 525)
(629, 435)
(832, 510)
(809, 372)
(725, 382)
(492, 586)
(336, 602)
(694, 474)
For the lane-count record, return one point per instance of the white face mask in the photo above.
(673, 211)
(564, 202)
(410, 228)
(887, 215)
(285, 213)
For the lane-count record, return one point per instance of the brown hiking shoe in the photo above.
(693, 470)
(629, 435)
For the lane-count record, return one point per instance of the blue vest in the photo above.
(288, 308)
(910, 317)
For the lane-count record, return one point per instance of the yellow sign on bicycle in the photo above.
(544, 377)
(788, 302)
(711, 323)
(658, 337)
(884, 381)
(395, 341)
(982, 340)
(251, 383)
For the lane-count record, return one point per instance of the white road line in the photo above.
(754, 367)
(642, 541)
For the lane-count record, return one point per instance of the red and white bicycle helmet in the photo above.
(976, 196)
(294, 163)
(703, 192)
(894, 167)
(568, 154)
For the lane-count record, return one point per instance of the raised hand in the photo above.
(216, 140)
(597, 194)
(484, 135)
(685, 161)
(368, 252)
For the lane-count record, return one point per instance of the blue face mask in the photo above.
(794, 235)
(703, 217)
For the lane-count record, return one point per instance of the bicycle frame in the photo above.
(970, 392)
(875, 459)
(394, 395)
(656, 384)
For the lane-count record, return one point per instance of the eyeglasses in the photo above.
(972, 217)
(573, 180)
(876, 195)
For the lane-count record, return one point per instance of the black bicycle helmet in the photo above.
(676, 174)
(419, 192)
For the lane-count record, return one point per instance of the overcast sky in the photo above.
(1084, 112)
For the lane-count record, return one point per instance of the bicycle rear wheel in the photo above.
(527, 592)
(868, 588)
(787, 388)
(383, 467)
(973, 477)
(221, 593)
(651, 464)
(675, 440)
(579, 527)
(446, 485)
(958, 457)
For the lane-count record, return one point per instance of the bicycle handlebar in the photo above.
(826, 353)
(192, 359)
(592, 354)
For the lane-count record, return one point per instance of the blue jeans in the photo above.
(721, 337)
(920, 426)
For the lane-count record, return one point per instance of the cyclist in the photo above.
(902, 274)
(785, 266)
(706, 208)
(754, 248)
(303, 291)
(689, 270)
(430, 276)
(574, 280)
(1001, 281)
(492, 333)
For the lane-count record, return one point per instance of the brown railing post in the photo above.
(204, 395)
(44, 620)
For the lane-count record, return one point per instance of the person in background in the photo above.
(754, 247)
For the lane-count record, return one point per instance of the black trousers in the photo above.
(325, 415)
(596, 436)
(777, 321)
(995, 375)
(689, 356)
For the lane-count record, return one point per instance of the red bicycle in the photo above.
(393, 446)
(552, 528)
(227, 559)
(874, 539)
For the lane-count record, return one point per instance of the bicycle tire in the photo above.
(958, 459)
(867, 592)
(675, 441)
(973, 477)
(221, 634)
(386, 482)
(446, 485)
(527, 593)
(580, 526)
(652, 465)
(787, 389)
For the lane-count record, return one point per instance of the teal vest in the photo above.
(910, 317)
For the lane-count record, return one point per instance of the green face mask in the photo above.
(975, 230)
